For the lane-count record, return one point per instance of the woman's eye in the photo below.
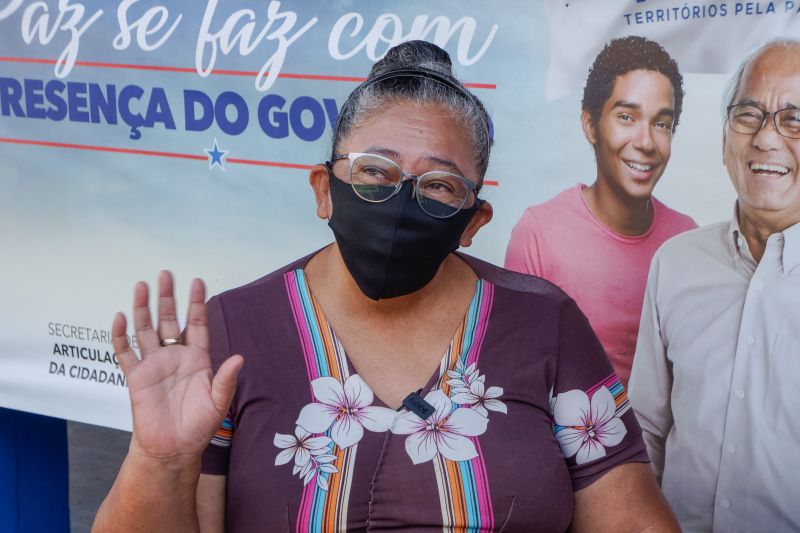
(437, 186)
(373, 172)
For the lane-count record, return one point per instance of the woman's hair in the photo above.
(418, 64)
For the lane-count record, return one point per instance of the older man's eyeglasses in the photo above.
(749, 119)
(375, 178)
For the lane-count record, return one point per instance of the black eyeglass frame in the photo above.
(764, 115)
(404, 176)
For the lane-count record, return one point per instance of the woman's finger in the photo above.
(196, 332)
(146, 337)
(224, 384)
(167, 314)
(122, 348)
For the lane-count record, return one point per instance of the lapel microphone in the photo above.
(417, 405)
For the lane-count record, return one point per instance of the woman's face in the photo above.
(393, 248)
(420, 138)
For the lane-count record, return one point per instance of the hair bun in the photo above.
(420, 73)
(414, 54)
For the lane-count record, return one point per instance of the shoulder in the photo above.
(261, 290)
(525, 285)
(554, 207)
(689, 243)
(565, 200)
(672, 218)
(255, 318)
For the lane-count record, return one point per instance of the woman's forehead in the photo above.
(409, 133)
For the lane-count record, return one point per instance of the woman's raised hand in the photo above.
(177, 401)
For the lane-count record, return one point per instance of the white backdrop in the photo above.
(107, 114)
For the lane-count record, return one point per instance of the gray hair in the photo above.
(732, 87)
(381, 88)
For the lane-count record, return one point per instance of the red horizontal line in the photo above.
(102, 148)
(156, 153)
(267, 163)
(163, 68)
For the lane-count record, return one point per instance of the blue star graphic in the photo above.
(215, 156)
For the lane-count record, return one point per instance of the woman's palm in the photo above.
(176, 400)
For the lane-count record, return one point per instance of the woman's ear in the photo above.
(318, 178)
(481, 217)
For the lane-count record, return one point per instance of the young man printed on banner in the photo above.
(716, 375)
(596, 242)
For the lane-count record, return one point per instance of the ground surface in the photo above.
(95, 455)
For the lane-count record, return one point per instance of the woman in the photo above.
(324, 431)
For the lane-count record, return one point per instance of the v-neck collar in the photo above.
(446, 362)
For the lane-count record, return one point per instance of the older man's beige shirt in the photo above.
(716, 379)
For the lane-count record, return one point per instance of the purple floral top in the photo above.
(525, 410)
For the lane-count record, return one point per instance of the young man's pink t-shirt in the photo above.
(605, 272)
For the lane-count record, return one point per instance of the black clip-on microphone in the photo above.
(417, 405)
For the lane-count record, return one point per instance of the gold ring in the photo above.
(169, 341)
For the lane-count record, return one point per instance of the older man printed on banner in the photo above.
(716, 374)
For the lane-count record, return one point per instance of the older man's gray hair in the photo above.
(732, 87)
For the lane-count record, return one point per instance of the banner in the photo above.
(704, 37)
(138, 135)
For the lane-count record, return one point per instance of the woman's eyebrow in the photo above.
(381, 150)
(392, 154)
(445, 163)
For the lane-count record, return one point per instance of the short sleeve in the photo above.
(215, 457)
(522, 254)
(593, 420)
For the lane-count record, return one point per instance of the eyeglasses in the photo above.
(749, 119)
(375, 178)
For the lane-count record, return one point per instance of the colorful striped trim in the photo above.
(617, 390)
(464, 495)
(222, 438)
(321, 510)
(614, 385)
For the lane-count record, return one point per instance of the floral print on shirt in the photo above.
(585, 427)
(341, 412)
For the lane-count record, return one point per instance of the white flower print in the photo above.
(345, 410)
(479, 398)
(445, 432)
(463, 376)
(300, 447)
(590, 426)
(314, 467)
(311, 455)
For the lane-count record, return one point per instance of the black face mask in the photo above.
(392, 248)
